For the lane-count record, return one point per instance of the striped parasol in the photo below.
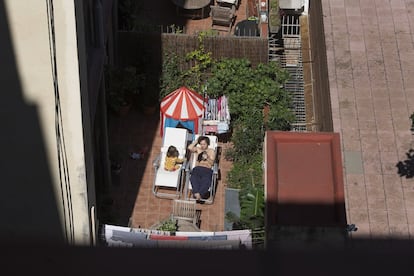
(183, 104)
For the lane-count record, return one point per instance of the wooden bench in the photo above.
(222, 17)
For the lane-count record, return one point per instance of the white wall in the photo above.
(29, 29)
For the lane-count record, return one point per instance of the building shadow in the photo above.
(131, 134)
(295, 250)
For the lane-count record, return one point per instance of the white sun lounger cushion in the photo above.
(176, 137)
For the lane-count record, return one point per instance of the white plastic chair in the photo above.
(167, 184)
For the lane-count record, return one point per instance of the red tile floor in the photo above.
(133, 200)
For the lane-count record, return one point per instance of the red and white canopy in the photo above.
(183, 104)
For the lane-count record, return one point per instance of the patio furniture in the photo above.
(228, 3)
(167, 184)
(191, 8)
(184, 210)
(222, 17)
(191, 164)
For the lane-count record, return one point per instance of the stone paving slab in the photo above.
(370, 57)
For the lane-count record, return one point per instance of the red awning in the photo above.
(183, 104)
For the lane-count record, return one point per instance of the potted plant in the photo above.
(122, 85)
(168, 225)
(274, 16)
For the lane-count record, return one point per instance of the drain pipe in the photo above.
(93, 225)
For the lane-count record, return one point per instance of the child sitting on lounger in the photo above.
(172, 162)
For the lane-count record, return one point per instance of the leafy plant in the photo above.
(252, 204)
(210, 32)
(250, 89)
(201, 62)
(171, 76)
(274, 5)
(274, 16)
(245, 172)
(248, 134)
(247, 176)
(175, 29)
(252, 207)
(168, 225)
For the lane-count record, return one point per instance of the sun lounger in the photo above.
(167, 184)
(214, 178)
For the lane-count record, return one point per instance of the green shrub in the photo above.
(274, 16)
(247, 172)
(273, 5)
(274, 21)
(168, 225)
(171, 77)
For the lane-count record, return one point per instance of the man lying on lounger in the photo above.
(201, 174)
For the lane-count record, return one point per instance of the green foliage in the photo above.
(246, 171)
(250, 89)
(252, 206)
(210, 32)
(247, 176)
(274, 16)
(280, 116)
(175, 29)
(274, 22)
(273, 5)
(228, 77)
(171, 77)
(201, 62)
(168, 225)
(248, 134)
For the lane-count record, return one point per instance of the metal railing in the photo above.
(286, 49)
